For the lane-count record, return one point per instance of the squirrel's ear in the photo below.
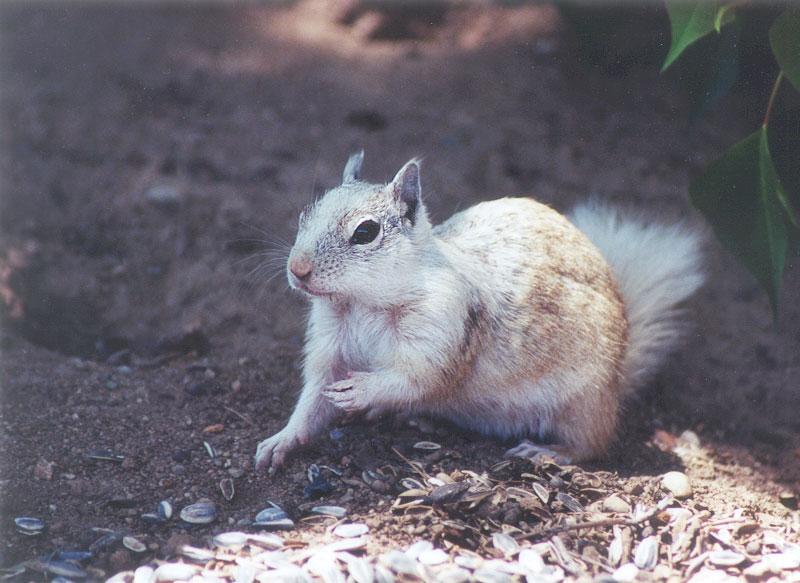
(406, 188)
(352, 170)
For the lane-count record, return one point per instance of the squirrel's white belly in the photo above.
(367, 339)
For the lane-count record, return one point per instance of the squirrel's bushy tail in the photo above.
(657, 267)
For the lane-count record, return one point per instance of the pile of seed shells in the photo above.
(520, 520)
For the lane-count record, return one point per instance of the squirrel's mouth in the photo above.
(305, 288)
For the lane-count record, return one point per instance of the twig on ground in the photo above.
(241, 416)
(548, 532)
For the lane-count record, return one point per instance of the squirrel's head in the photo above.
(360, 240)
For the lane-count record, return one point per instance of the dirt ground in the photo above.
(151, 152)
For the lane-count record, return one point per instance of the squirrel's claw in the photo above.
(348, 394)
(271, 453)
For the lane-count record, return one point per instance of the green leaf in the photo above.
(741, 196)
(723, 17)
(784, 146)
(691, 21)
(784, 37)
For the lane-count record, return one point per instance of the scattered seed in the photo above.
(570, 502)
(202, 512)
(470, 562)
(788, 499)
(196, 553)
(725, 558)
(133, 544)
(453, 575)
(105, 456)
(175, 572)
(433, 557)
(412, 484)
(231, 539)
(486, 575)
(419, 547)
(280, 524)
(144, 574)
(542, 492)
(348, 544)
(60, 568)
(152, 517)
(269, 541)
(74, 556)
(317, 484)
(210, 450)
(447, 493)
(227, 489)
(427, 446)
(361, 571)
(646, 555)
(29, 526)
(616, 548)
(106, 541)
(399, 562)
(165, 510)
(505, 543)
(531, 561)
(377, 482)
(627, 573)
(274, 518)
(351, 530)
(336, 511)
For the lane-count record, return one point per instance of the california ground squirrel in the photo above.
(508, 318)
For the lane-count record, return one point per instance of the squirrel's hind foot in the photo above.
(534, 451)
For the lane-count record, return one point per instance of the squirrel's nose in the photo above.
(300, 268)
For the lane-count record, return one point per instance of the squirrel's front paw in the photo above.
(271, 453)
(350, 394)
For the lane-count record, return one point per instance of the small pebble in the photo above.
(163, 195)
(753, 547)
(43, 470)
(677, 483)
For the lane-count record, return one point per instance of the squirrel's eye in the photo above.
(365, 233)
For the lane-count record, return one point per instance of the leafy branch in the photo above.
(742, 195)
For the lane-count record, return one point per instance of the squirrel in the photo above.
(508, 319)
